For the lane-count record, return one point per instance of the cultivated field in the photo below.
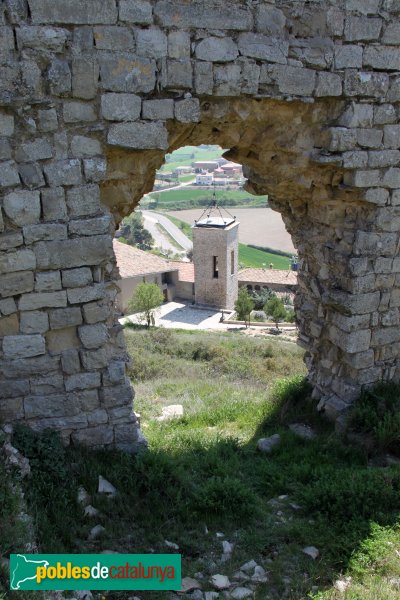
(258, 226)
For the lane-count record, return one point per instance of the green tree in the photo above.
(146, 298)
(244, 305)
(275, 309)
(134, 232)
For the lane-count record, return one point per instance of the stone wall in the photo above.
(93, 93)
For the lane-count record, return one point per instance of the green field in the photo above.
(191, 197)
(248, 257)
(188, 154)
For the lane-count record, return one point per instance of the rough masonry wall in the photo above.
(93, 93)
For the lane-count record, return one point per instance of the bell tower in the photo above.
(215, 258)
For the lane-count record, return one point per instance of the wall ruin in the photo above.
(94, 93)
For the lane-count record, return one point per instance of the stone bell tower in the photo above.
(215, 258)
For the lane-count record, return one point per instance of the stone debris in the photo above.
(249, 566)
(211, 596)
(109, 552)
(220, 582)
(265, 445)
(96, 532)
(171, 545)
(311, 551)
(303, 431)
(83, 497)
(173, 411)
(341, 585)
(15, 459)
(240, 576)
(105, 487)
(220, 535)
(91, 511)
(240, 593)
(189, 584)
(260, 575)
(227, 547)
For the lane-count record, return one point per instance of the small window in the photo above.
(232, 262)
(215, 267)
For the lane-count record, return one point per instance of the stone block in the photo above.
(34, 321)
(127, 73)
(85, 78)
(362, 29)
(216, 49)
(97, 291)
(20, 260)
(15, 388)
(11, 240)
(395, 200)
(17, 369)
(70, 361)
(65, 317)
(11, 410)
(76, 252)
(23, 346)
(39, 149)
(203, 15)
(50, 38)
(158, 109)
(363, 179)
(179, 74)
(365, 83)
(113, 38)
(6, 124)
(390, 318)
(328, 84)
(335, 21)
(48, 120)
(356, 341)
(22, 207)
(118, 395)
(355, 159)
(386, 335)
(82, 146)
(6, 39)
(61, 145)
(187, 110)
(93, 336)
(13, 284)
(95, 359)
(342, 139)
(365, 7)
(37, 300)
(377, 196)
(392, 136)
(95, 169)
(49, 384)
(96, 311)
(83, 200)
(262, 47)
(351, 304)
(368, 243)
(98, 417)
(63, 172)
(384, 113)
(270, 20)
(9, 325)
(82, 381)
(9, 176)
(59, 77)
(53, 204)
(149, 135)
(383, 158)
(36, 233)
(391, 178)
(5, 149)
(392, 33)
(31, 175)
(250, 76)
(54, 405)
(227, 79)
(97, 436)
(59, 340)
(75, 112)
(74, 12)
(293, 80)
(86, 227)
(7, 306)
(382, 58)
(121, 107)
(179, 45)
(77, 277)
(136, 11)
(151, 43)
(369, 138)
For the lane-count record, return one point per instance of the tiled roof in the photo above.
(266, 276)
(186, 270)
(133, 262)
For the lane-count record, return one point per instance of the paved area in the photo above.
(150, 218)
(179, 315)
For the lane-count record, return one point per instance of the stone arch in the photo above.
(93, 94)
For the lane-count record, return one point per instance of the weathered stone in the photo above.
(385, 113)
(199, 14)
(31, 175)
(227, 79)
(53, 204)
(11, 240)
(369, 243)
(203, 77)
(75, 12)
(369, 138)
(355, 159)
(95, 169)
(362, 28)
(9, 325)
(365, 7)
(391, 178)
(188, 110)
(50, 384)
(365, 83)
(158, 109)
(34, 321)
(51, 38)
(6, 124)
(12, 410)
(83, 201)
(93, 336)
(70, 362)
(86, 294)
(121, 107)
(292, 80)
(136, 11)
(5, 149)
(38, 300)
(270, 20)
(16, 283)
(348, 56)
(59, 76)
(265, 445)
(179, 45)
(12, 369)
(14, 389)
(23, 346)
(22, 207)
(383, 158)
(95, 312)
(179, 74)
(328, 84)
(151, 43)
(7, 306)
(382, 57)
(63, 172)
(74, 252)
(82, 381)
(215, 49)
(356, 341)
(85, 77)
(77, 277)
(9, 174)
(127, 73)
(82, 146)
(39, 149)
(117, 395)
(392, 33)
(65, 317)
(95, 226)
(138, 135)
(363, 179)
(20, 260)
(392, 136)
(95, 359)
(113, 38)
(36, 233)
(75, 112)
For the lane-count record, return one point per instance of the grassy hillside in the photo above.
(203, 475)
(191, 197)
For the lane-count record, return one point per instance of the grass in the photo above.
(248, 256)
(203, 475)
(191, 197)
